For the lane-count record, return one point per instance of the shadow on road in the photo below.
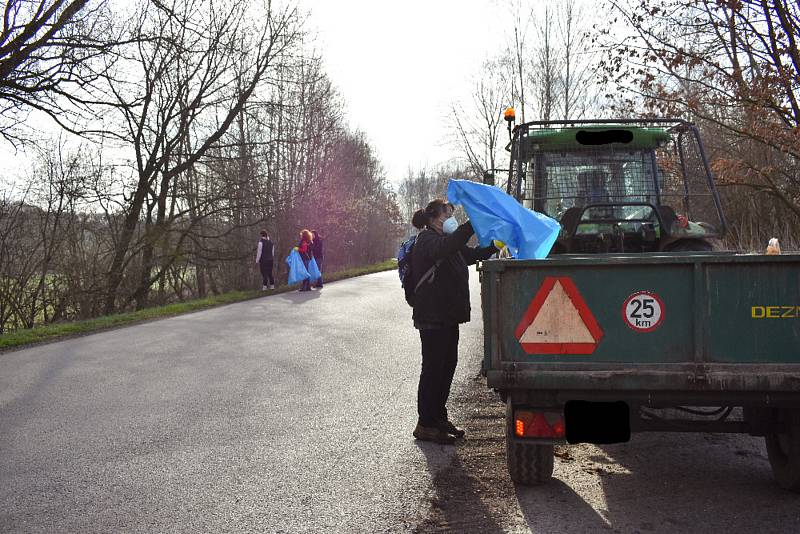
(668, 482)
(556, 507)
(457, 505)
(663, 482)
(297, 297)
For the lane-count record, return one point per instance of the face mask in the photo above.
(449, 225)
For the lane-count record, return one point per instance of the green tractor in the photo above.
(621, 186)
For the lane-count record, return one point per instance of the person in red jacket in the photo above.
(305, 249)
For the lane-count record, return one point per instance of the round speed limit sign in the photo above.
(643, 311)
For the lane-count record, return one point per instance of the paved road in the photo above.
(287, 413)
(293, 413)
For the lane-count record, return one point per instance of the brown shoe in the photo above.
(427, 433)
(449, 428)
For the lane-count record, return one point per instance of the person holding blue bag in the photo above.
(498, 216)
(304, 248)
(314, 274)
(297, 270)
(439, 262)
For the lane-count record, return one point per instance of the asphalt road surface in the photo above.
(293, 413)
(288, 413)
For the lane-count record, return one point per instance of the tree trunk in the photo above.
(115, 273)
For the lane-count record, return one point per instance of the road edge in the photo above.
(42, 335)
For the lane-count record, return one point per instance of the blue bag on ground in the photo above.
(313, 270)
(297, 271)
(496, 215)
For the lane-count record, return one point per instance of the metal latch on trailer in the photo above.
(699, 378)
(510, 373)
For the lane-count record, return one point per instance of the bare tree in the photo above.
(735, 68)
(47, 48)
(552, 60)
(478, 127)
(545, 66)
(551, 72)
(577, 90)
(35, 236)
(208, 56)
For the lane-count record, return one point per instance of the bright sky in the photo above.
(399, 66)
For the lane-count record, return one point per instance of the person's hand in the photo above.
(499, 245)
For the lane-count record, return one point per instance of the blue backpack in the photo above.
(404, 268)
(407, 279)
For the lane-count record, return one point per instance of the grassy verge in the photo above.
(52, 332)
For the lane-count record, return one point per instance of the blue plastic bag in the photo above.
(496, 215)
(313, 270)
(297, 270)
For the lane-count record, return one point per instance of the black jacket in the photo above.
(444, 300)
(316, 248)
(267, 249)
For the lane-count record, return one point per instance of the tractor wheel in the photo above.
(529, 464)
(783, 449)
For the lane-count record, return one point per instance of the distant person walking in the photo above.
(318, 254)
(305, 248)
(265, 260)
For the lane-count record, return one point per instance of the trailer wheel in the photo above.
(529, 464)
(783, 450)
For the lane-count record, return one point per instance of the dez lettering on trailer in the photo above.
(775, 312)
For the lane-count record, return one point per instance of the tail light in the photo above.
(533, 424)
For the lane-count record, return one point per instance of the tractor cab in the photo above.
(626, 186)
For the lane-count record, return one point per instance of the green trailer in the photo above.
(636, 322)
(672, 342)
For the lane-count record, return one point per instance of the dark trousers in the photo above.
(439, 359)
(266, 273)
(306, 285)
(318, 283)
